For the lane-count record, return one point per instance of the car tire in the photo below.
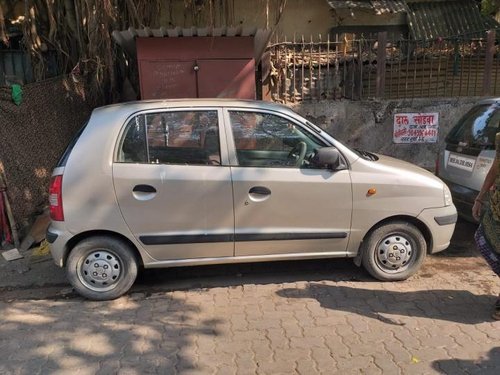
(394, 251)
(102, 268)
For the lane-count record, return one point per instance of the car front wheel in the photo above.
(101, 268)
(394, 251)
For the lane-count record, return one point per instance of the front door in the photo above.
(173, 192)
(283, 205)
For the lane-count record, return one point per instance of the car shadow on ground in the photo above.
(390, 306)
(229, 275)
(489, 365)
(461, 255)
(462, 242)
(462, 246)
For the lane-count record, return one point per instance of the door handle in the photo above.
(144, 189)
(260, 190)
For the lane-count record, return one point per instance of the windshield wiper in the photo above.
(367, 155)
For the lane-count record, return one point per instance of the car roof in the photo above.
(488, 101)
(140, 105)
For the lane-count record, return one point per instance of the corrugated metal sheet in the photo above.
(388, 6)
(126, 38)
(350, 4)
(432, 19)
(379, 6)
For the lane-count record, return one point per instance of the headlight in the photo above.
(448, 201)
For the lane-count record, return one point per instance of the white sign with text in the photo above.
(416, 127)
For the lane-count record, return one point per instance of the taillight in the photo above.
(55, 199)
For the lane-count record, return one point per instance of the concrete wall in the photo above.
(369, 125)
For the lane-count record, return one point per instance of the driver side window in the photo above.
(266, 140)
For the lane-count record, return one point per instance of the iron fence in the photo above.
(15, 67)
(335, 68)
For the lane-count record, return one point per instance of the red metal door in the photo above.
(167, 79)
(226, 67)
(233, 78)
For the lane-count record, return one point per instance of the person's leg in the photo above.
(492, 258)
(496, 313)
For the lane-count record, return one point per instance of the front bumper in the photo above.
(441, 224)
(463, 199)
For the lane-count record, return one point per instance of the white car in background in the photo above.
(469, 154)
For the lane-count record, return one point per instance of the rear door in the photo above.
(282, 205)
(172, 188)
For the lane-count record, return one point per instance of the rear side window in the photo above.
(134, 148)
(180, 137)
(477, 129)
(64, 158)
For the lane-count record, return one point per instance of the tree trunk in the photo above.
(3, 35)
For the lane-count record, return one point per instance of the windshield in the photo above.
(477, 128)
(361, 153)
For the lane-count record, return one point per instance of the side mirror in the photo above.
(327, 157)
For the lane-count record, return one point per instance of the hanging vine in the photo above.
(3, 33)
(79, 32)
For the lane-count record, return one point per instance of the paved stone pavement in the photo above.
(318, 317)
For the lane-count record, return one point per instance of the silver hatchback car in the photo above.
(194, 182)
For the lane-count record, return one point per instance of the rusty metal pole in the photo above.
(381, 56)
(488, 65)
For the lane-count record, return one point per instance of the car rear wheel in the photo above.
(102, 268)
(394, 251)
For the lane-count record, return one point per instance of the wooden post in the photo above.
(360, 70)
(327, 67)
(311, 69)
(381, 56)
(488, 65)
(303, 71)
(294, 75)
(319, 96)
(285, 72)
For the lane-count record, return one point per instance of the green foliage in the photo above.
(490, 7)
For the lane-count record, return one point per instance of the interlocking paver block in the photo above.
(323, 359)
(292, 354)
(307, 343)
(279, 367)
(262, 351)
(306, 367)
(427, 325)
(264, 324)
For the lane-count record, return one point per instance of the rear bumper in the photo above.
(58, 238)
(441, 224)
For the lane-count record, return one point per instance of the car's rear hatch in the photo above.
(470, 151)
